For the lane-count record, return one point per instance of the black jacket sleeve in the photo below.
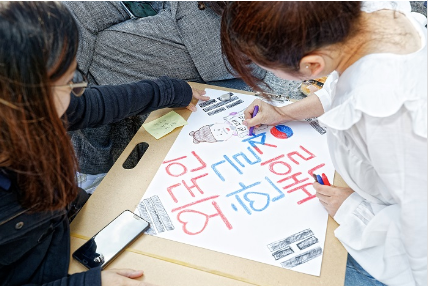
(101, 105)
(92, 277)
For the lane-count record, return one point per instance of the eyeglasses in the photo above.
(78, 84)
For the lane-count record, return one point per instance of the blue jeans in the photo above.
(357, 276)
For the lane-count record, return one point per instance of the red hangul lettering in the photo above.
(167, 168)
(295, 182)
(311, 171)
(203, 165)
(303, 188)
(300, 155)
(193, 180)
(272, 163)
(190, 222)
(189, 188)
(181, 170)
(294, 178)
(169, 189)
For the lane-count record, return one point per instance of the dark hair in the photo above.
(38, 44)
(279, 34)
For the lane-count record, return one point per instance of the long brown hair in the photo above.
(38, 44)
(279, 34)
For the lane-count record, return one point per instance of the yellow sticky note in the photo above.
(165, 124)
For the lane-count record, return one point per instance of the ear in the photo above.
(312, 66)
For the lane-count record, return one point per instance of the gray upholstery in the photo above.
(181, 41)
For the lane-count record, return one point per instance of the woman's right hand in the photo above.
(122, 277)
(267, 114)
(308, 107)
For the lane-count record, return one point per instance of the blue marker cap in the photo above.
(319, 179)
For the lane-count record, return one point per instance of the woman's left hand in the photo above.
(332, 197)
(197, 95)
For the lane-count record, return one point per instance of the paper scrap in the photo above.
(165, 124)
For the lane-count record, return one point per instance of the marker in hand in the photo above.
(323, 180)
(256, 109)
(319, 179)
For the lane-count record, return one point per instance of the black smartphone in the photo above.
(104, 246)
(138, 9)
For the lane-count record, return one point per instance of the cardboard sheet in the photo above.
(160, 272)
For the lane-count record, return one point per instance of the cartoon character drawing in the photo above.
(219, 132)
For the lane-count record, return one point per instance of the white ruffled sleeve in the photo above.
(390, 240)
(326, 94)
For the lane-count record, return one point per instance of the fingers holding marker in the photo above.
(322, 179)
(256, 109)
(323, 198)
(248, 112)
(253, 114)
(325, 180)
(322, 190)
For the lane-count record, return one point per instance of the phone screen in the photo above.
(138, 9)
(107, 243)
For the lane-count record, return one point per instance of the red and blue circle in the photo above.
(281, 132)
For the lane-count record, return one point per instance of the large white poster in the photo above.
(250, 196)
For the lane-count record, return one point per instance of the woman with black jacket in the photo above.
(42, 95)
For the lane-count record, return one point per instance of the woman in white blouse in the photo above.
(374, 104)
